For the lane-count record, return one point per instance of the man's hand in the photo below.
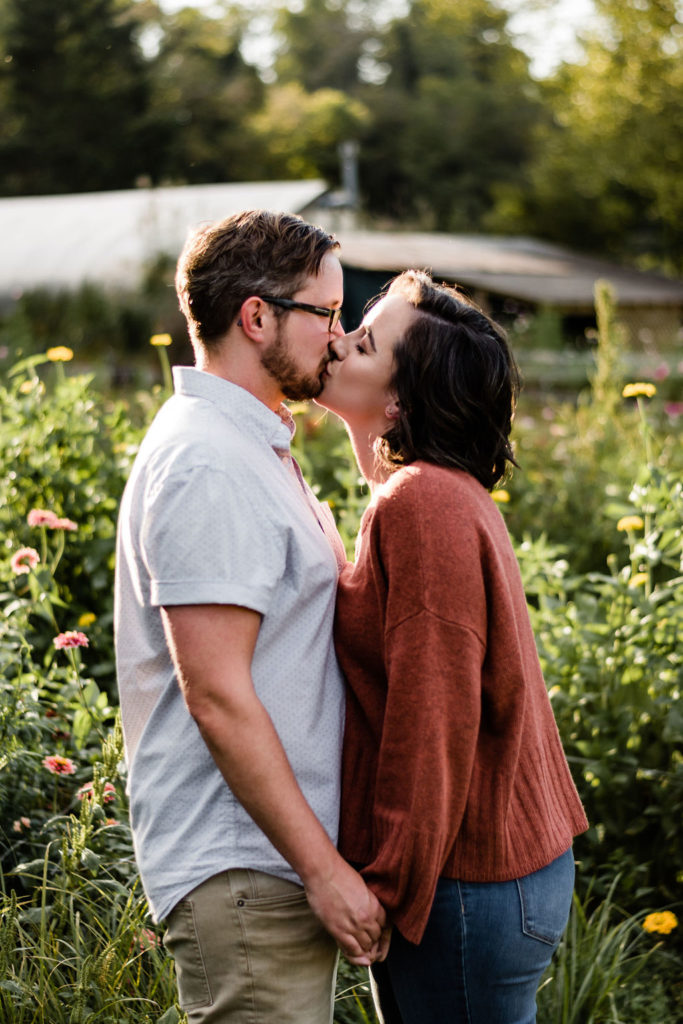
(351, 913)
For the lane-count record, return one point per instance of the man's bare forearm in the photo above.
(247, 750)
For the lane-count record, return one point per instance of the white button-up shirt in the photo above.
(212, 514)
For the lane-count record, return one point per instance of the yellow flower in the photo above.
(638, 579)
(60, 354)
(86, 619)
(161, 340)
(640, 388)
(628, 523)
(27, 386)
(501, 496)
(662, 923)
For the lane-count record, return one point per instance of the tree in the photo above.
(607, 171)
(74, 94)
(453, 119)
(205, 94)
(322, 43)
(300, 132)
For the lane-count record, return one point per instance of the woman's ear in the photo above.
(391, 410)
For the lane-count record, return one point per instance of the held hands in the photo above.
(378, 952)
(351, 913)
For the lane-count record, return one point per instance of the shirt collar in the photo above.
(237, 404)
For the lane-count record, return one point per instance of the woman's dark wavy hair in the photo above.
(456, 382)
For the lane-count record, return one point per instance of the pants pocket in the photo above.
(182, 941)
(546, 897)
(269, 903)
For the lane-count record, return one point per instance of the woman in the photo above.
(457, 799)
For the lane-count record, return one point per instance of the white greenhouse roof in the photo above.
(108, 237)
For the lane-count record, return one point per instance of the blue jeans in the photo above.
(483, 953)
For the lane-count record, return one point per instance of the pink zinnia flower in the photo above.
(107, 797)
(59, 765)
(64, 524)
(147, 939)
(24, 560)
(41, 517)
(72, 638)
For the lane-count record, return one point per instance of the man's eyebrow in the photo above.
(368, 331)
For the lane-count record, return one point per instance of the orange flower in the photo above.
(628, 523)
(60, 354)
(662, 923)
(639, 388)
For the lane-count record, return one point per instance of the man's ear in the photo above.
(391, 410)
(251, 318)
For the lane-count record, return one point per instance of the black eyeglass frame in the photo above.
(333, 315)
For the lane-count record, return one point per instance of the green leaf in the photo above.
(28, 364)
(90, 860)
(12, 988)
(170, 1017)
(90, 693)
(81, 726)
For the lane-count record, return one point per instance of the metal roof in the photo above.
(523, 268)
(108, 237)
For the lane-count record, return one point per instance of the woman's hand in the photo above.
(378, 952)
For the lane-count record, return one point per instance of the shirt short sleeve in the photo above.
(206, 539)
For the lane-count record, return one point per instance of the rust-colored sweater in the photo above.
(452, 761)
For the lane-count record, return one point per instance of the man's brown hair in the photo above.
(251, 253)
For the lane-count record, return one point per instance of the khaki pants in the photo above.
(249, 950)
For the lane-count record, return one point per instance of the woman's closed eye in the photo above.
(365, 341)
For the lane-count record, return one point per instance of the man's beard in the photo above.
(279, 364)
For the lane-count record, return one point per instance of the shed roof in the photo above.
(108, 237)
(523, 268)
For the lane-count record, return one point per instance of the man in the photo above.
(231, 695)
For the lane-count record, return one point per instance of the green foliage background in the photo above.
(607, 610)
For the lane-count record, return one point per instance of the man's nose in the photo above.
(338, 345)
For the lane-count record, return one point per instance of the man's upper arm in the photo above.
(212, 647)
(205, 540)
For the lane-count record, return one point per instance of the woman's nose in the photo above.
(338, 345)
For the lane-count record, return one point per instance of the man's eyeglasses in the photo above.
(333, 315)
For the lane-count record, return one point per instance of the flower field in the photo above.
(596, 515)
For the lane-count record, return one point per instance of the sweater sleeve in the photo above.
(425, 761)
